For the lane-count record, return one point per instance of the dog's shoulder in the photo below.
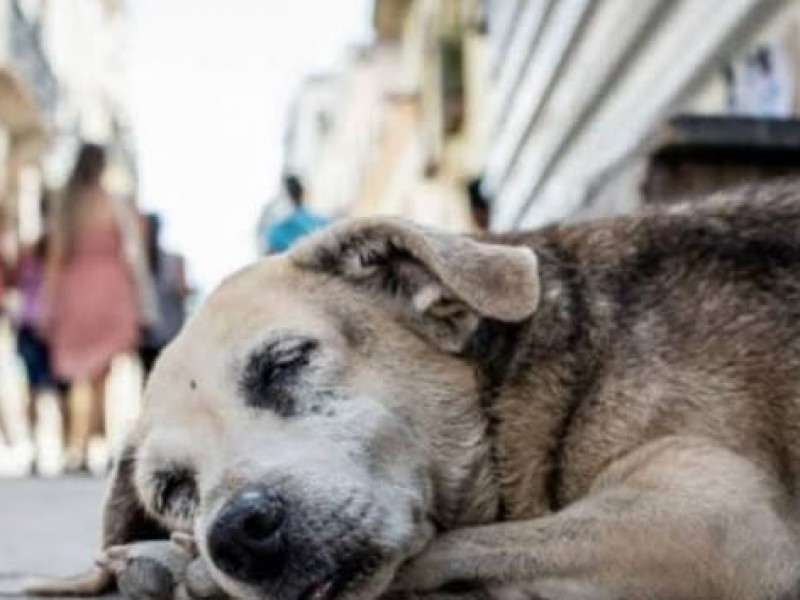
(667, 301)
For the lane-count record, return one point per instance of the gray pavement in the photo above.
(47, 527)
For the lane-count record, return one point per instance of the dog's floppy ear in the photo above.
(124, 521)
(447, 282)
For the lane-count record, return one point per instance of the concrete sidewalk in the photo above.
(47, 527)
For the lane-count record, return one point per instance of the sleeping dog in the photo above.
(607, 410)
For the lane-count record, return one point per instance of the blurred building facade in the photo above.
(62, 81)
(401, 128)
(560, 109)
(28, 98)
(584, 95)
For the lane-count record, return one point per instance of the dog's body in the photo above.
(645, 420)
(684, 322)
(612, 415)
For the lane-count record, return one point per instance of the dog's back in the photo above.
(675, 321)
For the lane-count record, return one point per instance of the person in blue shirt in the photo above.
(282, 234)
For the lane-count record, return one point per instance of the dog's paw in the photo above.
(198, 584)
(152, 570)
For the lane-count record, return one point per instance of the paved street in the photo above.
(47, 526)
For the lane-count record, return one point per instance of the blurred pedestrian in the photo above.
(168, 273)
(7, 437)
(93, 290)
(32, 343)
(300, 221)
(478, 205)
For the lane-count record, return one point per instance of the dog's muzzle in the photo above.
(275, 542)
(246, 540)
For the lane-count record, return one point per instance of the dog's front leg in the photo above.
(679, 519)
(161, 570)
(550, 557)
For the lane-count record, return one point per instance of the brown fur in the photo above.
(660, 375)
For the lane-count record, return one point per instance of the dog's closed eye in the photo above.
(268, 371)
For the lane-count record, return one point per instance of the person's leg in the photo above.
(34, 418)
(48, 430)
(78, 406)
(97, 426)
(17, 414)
(33, 410)
(34, 354)
(62, 390)
(97, 447)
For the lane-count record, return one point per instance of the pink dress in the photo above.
(94, 306)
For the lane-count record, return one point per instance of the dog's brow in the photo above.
(355, 331)
(277, 346)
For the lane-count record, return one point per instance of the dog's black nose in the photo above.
(246, 539)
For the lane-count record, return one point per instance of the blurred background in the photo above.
(150, 147)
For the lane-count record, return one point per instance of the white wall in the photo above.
(600, 77)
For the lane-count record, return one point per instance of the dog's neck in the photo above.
(535, 376)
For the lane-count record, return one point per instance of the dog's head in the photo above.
(318, 418)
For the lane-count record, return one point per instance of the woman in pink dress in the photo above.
(91, 290)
